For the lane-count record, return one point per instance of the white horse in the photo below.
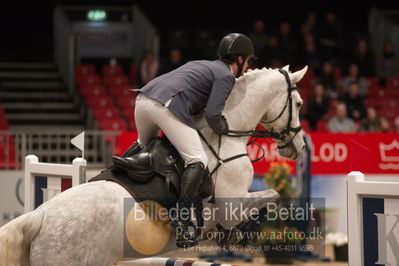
(84, 224)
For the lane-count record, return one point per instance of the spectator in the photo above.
(354, 102)
(148, 68)
(340, 123)
(327, 78)
(388, 62)
(354, 76)
(364, 58)
(310, 54)
(331, 37)
(287, 41)
(174, 61)
(371, 123)
(258, 35)
(273, 55)
(318, 106)
(396, 123)
(308, 27)
(385, 126)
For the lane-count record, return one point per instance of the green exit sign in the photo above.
(96, 15)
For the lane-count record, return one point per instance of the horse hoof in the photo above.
(186, 243)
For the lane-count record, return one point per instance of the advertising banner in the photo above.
(370, 153)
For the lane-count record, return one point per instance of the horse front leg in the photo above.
(234, 202)
(233, 211)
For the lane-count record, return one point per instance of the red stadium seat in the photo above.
(377, 94)
(3, 124)
(7, 152)
(113, 124)
(372, 82)
(393, 83)
(376, 103)
(102, 113)
(122, 91)
(389, 113)
(126, 102)
(103, 101)
(108, 70)
(133, 73)
(389, 108)
(88, 80)
(84, 70)
(392, 92)
(390, 103)
(93, 91)
(1, 112)
(129, 114)
(116, 80)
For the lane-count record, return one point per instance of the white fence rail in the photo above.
(53, 175)
(54, 146)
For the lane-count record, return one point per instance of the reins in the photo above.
(258, 133)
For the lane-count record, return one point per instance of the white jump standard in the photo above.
(34, 168)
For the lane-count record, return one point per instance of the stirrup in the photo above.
(186, 243)
(184, 239)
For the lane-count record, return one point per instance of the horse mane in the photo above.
(252, 74)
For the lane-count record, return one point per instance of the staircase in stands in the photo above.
(34, 96)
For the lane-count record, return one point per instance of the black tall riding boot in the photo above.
(190, 184)
(132, 150)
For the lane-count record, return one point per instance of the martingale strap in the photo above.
(216, 154)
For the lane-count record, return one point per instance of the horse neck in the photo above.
(249, 100)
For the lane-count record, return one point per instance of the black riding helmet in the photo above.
(233, 45)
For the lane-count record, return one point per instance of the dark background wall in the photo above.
(26, 28)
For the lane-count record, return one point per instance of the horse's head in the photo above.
(282, 116)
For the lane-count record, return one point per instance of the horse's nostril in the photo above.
(303, 147)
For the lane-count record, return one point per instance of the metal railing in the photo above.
(55, 146)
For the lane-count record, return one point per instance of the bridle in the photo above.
(257, 133)
(289, 102)
(282, 135)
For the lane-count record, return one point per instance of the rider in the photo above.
(168, 103)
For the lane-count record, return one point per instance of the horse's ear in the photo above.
(298, 75)
(286, 68)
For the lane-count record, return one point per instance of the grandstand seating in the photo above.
(111, 99)
(3, 124)
(84, 69)
(109, 70)
(34, 95)
(109, 96)
(113, 124)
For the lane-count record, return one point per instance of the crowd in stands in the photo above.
(348, 87)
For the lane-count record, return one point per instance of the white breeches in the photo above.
(152, 116)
